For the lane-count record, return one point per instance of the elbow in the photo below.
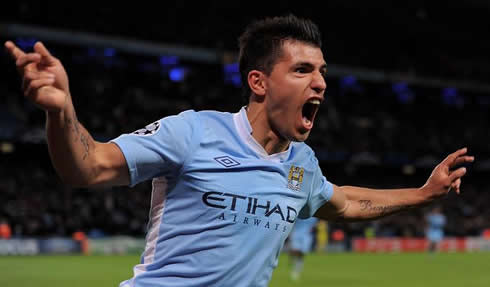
(350, 213)
(104, 168)
(87, 178)
(343, 215)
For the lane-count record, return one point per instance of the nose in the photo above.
(318, 83)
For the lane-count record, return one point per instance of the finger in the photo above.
(37, 84)
(463, 159)
(31, 75)
(13, 50)
(455, 185)
(47, 58)
(450, 158)
(34, 75)
(455, 188)
(26, 59)
(456, 174)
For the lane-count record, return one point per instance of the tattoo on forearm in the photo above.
(73, 125)
(69, 123)
(84, 141)
(367, 205)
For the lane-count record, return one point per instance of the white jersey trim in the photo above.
(158, 198)
(244, 130)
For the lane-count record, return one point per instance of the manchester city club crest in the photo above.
(295, 177)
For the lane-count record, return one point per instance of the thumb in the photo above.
(457, 174)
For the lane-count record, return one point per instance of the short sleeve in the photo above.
(160, 148)
(321, 192)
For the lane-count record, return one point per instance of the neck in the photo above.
(262, 132)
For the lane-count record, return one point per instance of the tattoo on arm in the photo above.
(84, 141)
(73, 125)
(367, 205)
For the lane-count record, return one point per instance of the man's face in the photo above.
(295, 90)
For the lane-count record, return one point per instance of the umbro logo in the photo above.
(226, 161)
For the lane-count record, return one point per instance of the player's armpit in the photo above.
(335, 208)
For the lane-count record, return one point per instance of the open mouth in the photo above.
(309, 111)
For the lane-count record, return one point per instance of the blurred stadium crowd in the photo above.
(375, 133)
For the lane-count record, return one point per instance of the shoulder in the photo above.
(179, 123)
(304, 153)
(215, 120)
(210, 115)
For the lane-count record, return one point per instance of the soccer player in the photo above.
(227, 187)
(301, 241)
(436, 220)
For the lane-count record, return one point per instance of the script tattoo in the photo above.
(84, 141)
(367, 205)
(73, 125)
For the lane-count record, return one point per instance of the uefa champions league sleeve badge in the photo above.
(148, 130)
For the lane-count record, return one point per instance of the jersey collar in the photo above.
(244, 130)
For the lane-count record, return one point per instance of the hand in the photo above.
(44, 79)
(444, 178)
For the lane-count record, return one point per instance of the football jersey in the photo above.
(435, 231)
(301, 237)
(221, 207)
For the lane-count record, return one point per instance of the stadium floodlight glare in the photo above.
(177, 74)
(403, 92)
(166, 61)
(232, 74)
(451, 97)
(109, 52)
(350, 83)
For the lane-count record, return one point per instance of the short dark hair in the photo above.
(261, 43)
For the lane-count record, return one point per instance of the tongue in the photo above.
(306, 121)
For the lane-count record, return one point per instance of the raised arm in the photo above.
(350, 203)
(78, 159)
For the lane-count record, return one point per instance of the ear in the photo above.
(256, 82)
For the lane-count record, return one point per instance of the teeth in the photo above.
(314, 101)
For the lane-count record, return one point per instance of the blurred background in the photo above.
(408, 83)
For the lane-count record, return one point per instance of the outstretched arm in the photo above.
(76, 156)
(352, 203)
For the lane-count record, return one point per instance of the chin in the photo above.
(301, 137)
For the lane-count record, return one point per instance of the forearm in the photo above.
(350, 203)
(365, 203)
(70, 146)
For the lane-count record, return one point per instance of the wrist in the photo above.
(424, 195)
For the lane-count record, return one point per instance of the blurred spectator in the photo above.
(5, 231)
(435, 221)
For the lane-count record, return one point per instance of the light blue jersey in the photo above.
(221, 207)
(435, 230)
(301, 237)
